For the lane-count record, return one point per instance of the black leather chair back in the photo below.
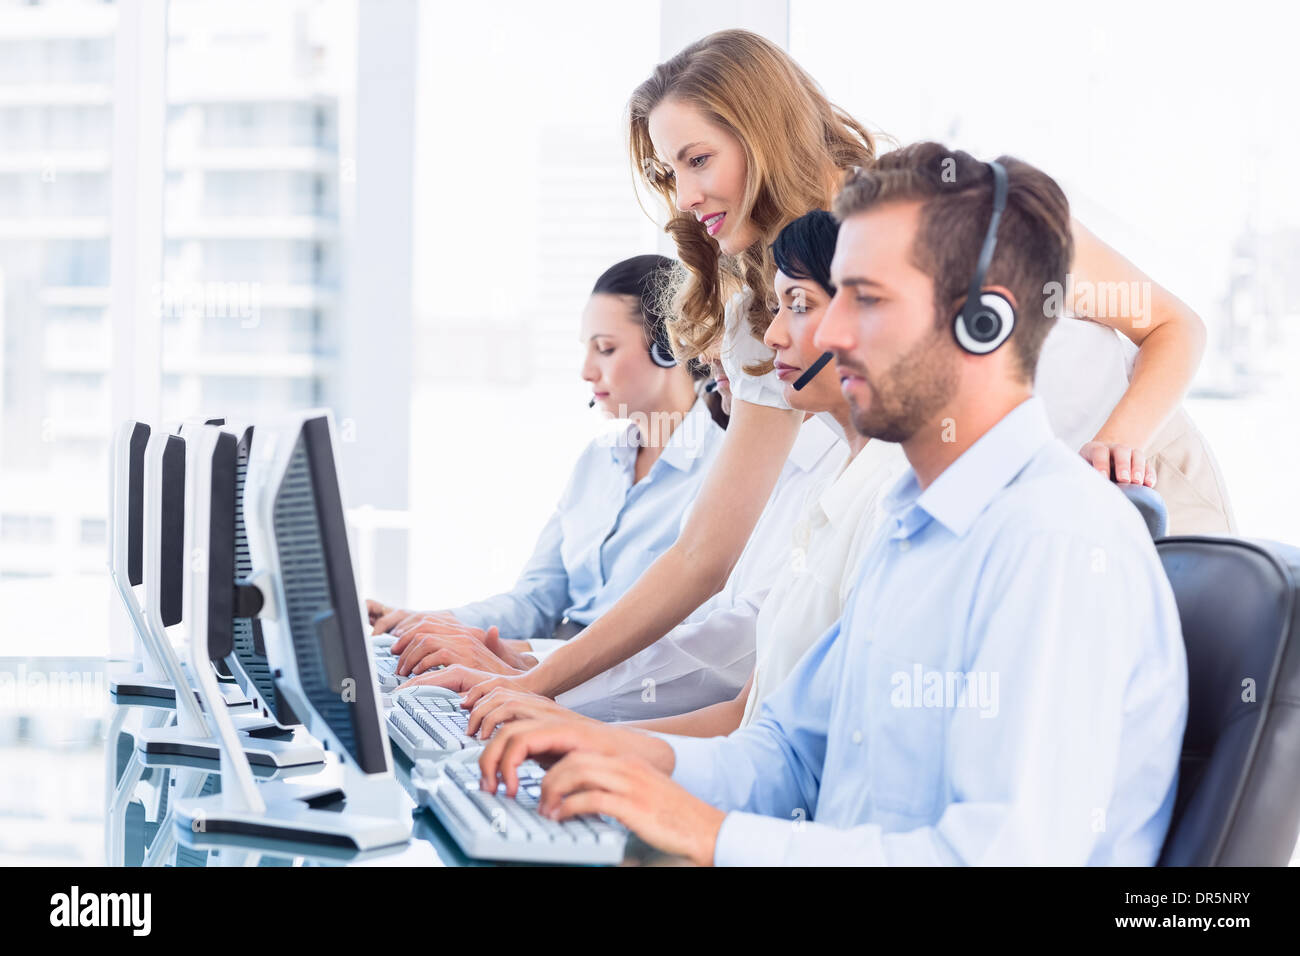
(1238, 800)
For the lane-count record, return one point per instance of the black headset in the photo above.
(987, 319)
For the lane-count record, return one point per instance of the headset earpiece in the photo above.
(986, 319)
(662, 355)
(983, 329)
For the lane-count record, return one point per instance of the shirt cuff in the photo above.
(748, 839)
(694, 763)
(745, 839)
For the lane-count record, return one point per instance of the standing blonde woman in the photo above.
(737, 140)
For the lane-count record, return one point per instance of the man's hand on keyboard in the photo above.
(616, 771)
(642, 798)
(470, 648)
(507, 703)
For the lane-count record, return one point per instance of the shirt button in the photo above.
(904, 545)
(857, 737)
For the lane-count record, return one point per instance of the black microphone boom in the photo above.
(816, 367)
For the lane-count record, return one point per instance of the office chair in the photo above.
(1238, 799)
(1150, 505)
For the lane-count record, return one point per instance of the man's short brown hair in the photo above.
(1034, 242)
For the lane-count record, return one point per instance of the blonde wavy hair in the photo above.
(797, 145)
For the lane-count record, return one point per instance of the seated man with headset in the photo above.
(1007, 684)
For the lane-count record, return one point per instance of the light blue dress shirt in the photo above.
(605, 531)
(1008, 684)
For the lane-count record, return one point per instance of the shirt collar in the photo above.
(838, 499)
(814, 441)
(966, 487)
(685, 445)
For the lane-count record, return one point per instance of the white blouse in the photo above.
(709, 656)
(826, 548)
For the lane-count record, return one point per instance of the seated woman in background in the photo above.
(627, 496)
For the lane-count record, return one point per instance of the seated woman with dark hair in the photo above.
(626, 498)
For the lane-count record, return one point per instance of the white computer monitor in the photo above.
(314, 636)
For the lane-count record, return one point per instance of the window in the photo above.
(1137, 175)
(56, 74)
(523, 197)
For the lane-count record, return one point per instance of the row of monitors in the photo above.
(282, 609)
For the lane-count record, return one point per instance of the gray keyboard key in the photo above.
(492, 811)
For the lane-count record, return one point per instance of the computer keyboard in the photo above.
(427, 723)
(492, 826)
(386, 667)
(386, 671)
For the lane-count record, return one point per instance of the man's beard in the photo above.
(908, 395)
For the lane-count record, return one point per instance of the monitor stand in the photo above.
(135, 688)
(264, 742)
(282, 818)
(370, 816)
